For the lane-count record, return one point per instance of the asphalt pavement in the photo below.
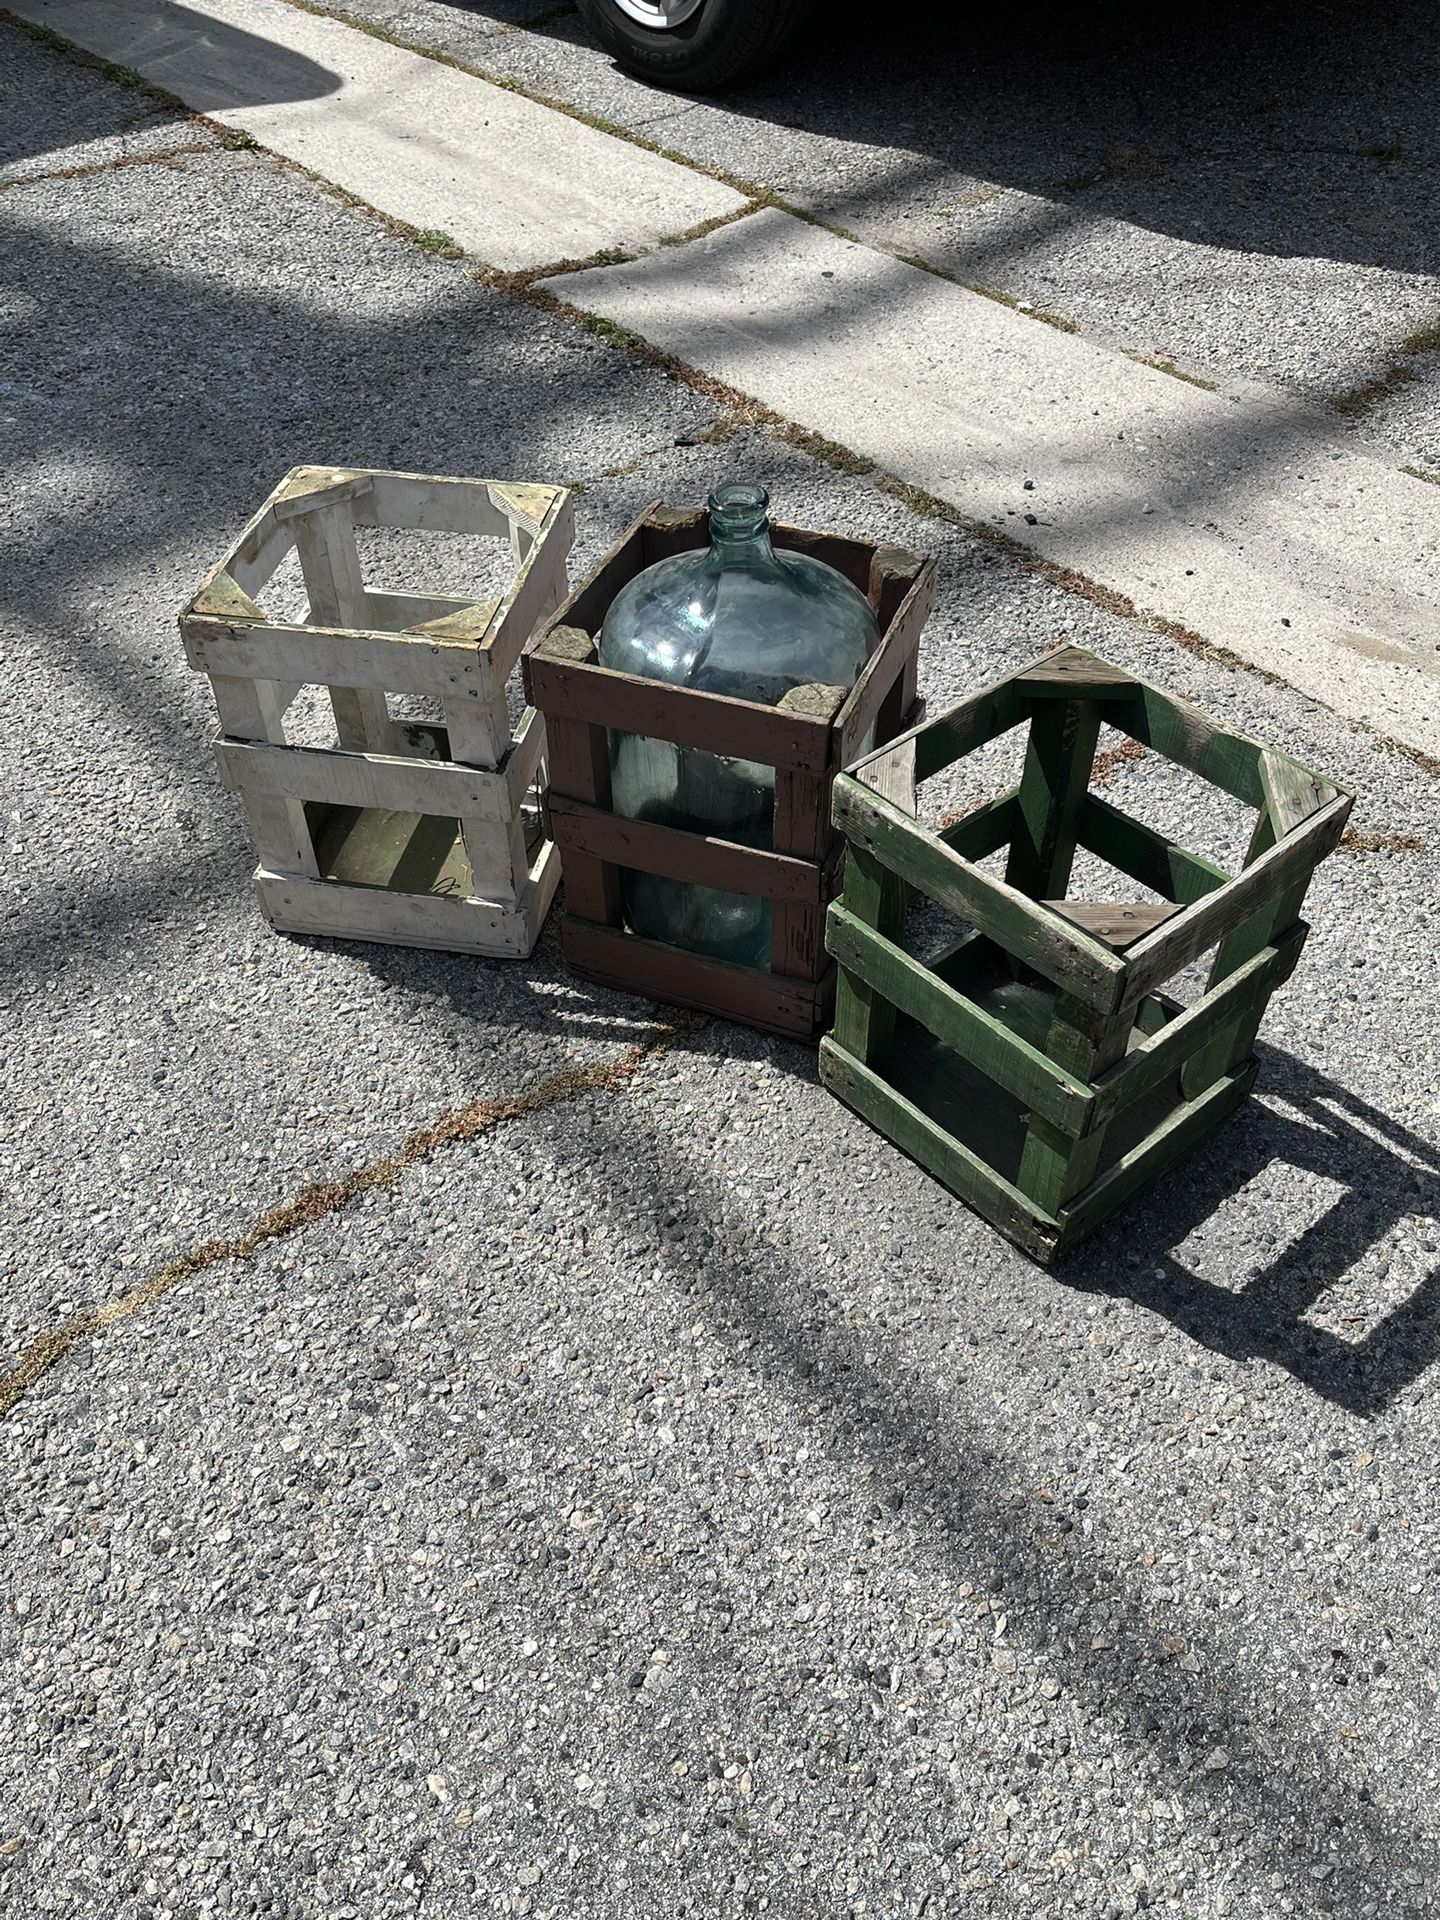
(660, 1497)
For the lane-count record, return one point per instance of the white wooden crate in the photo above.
(417, 833)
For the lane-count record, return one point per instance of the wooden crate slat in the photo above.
(526, 505)
(985, 829)
(714, 722)
(937, 743)
(325, 542)
(277, 824)
(1071, 673)
(802, 830)
(1230, 761)
(1054, 1166)
(430, 503)
(329, 656)
(1058, 756)
(1145, 855)
(1119, 923)
(951, 1162)
(521, 766)
(309, 491)
(388, 610)
(224, 599)
(1172, 1044)
(1156, 1154)
(1066, 955)
(1163, 953)
(615, 958)
(888, 676)
(957, 1021)
(1292, 792)
(449, 924)
(865, 1016)
(251, 562)
(537, 590)
(697, 859)
(397, 781)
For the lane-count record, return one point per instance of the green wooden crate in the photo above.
(1034, 1065)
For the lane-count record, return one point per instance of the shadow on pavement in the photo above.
(1291, 127)
(1281, 1796)
(1385, 1174)
(224, 67)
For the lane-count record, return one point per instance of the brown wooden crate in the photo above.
(805, 739)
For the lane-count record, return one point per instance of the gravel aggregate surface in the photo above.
(669, 1501)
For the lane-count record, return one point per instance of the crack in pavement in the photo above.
(317, 1200)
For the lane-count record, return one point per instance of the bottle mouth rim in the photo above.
(739, 502)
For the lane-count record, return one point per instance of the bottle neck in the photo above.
(740, 529)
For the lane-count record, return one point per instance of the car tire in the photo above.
(720, 42)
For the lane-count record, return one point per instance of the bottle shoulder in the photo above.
(691, 621)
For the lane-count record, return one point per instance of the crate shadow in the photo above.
(1299, 1118)
(1385, 1174)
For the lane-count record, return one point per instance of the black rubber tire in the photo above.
(722, 43)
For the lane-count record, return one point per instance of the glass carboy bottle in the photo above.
(741, 619)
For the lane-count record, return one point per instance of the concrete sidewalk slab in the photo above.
(514, 182)
(1231, 513)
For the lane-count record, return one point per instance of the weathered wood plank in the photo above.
(306, 490)
(982, 1039)
(579, 764)
(255, 710)
(430, 503)
(884, 692)
(891, 774)
(1145, 855)
(223, 598)
(1154, 1155)
(1055, 1166)
(539, 586)
(951, 1162)
(985, 829)
(392, 917)
(466, 621)
(1063, 954)
(938, 741)
(1178, 1040)
(325, 541)
(615, 958)
(390, 611)
(1071, 672)
(390, 662)
(396, 781)
(1119, 923)
(525, 504)
(1183, 939)
(263, 543)
(714, 722)
(1058, 757)
(873, 897)
(1230, 761)
(802, 829)
(696, 859)
(1292, 792)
